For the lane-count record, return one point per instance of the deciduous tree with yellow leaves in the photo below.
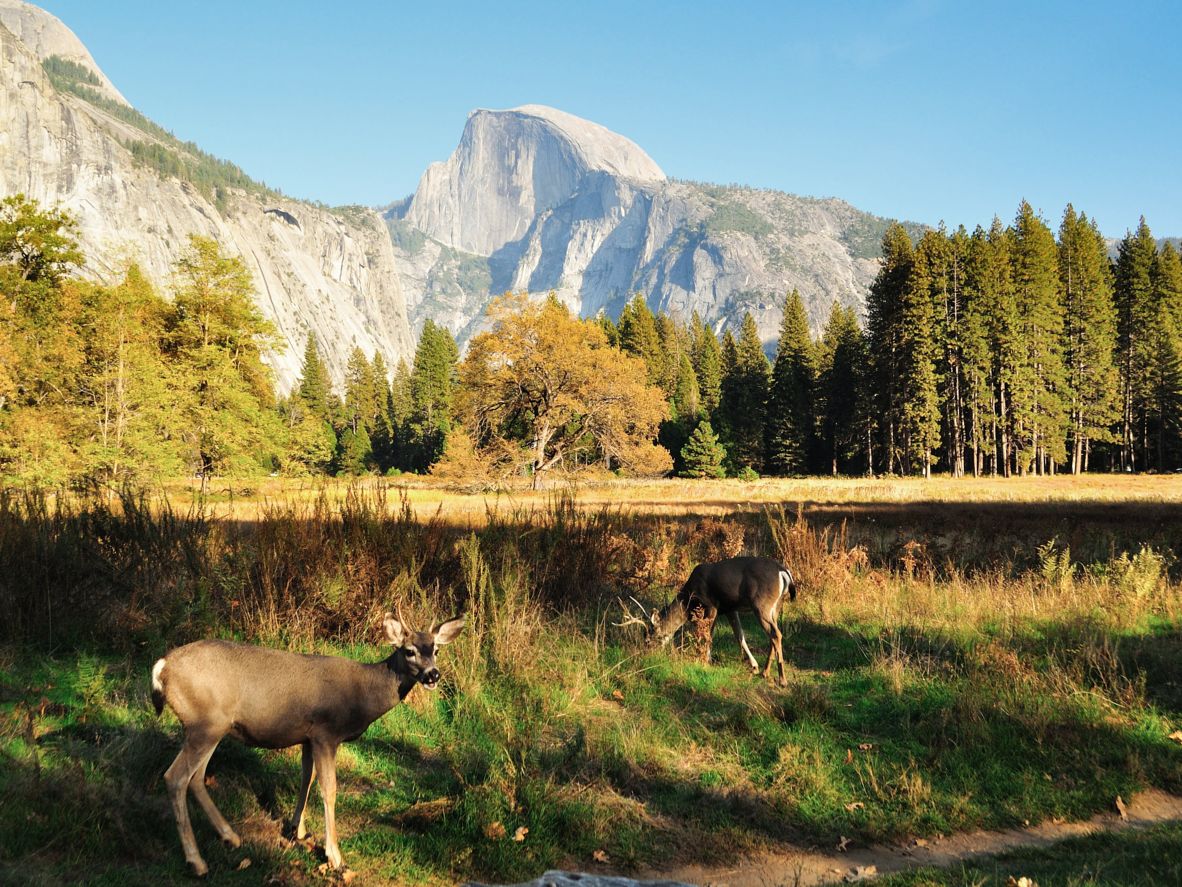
(549, 385)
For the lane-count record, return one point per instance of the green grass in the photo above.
(927, 696)
(652, 758)
(1131, 859)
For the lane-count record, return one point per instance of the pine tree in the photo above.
(399, 409)
(1165, 365)
(639, 337)
(360, 391)
(686, 401)
(918, 349)
(948, 291)
(744, 396)
(1137, 318)
(432, 391)
(992, 347)
(381, 429)
(706, 356)
(841, 386)
(1089, 336)
(610, 330)
(315, 386)
(790, 417)
(884, 328)
(1040, 416)
(703, 455)
(355, 451)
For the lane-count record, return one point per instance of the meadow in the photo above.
(965, 654)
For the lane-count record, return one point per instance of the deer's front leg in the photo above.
(325, 759)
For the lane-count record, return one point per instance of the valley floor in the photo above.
(973, 664)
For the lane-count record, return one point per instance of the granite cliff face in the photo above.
(331, 273)
(534, 199)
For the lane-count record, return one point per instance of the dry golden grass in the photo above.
(677, 497)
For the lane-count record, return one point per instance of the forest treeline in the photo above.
(1003, 351)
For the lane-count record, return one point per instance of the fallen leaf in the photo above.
(919, 842)
(211, 782)
(322, 868)
(1122, 809)
(494, 831)
(849, 756)
(520, 834)
(244, 864)
(856, 805)
(1011, 881)
(842, 844)
(865, 746)
(616, 694)
(601, 857)
(860, 873)
(1176, 736)
(348, 875)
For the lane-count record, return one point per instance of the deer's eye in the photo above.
(410, 652)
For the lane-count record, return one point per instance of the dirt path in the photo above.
(812, 865)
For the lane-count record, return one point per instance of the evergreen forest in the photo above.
(1007, 350)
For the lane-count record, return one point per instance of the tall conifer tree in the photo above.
(1136, 319)
(1089, 336)
(744, 396)
(841, 387)
(884, 313)
(1040, 419)
(790, 417)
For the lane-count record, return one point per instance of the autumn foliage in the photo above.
(549, 388)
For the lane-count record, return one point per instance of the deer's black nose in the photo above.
(431, 676)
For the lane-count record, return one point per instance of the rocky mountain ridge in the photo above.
(137, 193)
(538, 200)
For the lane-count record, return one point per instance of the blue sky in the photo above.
(920, 109)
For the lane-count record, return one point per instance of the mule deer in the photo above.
(724, 588)
(274, 699)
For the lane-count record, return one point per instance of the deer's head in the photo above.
(414, 651)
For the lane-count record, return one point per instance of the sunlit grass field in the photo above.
(428, 497)
(964, 654)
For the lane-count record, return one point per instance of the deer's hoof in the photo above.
(232, 840)
(199, 868)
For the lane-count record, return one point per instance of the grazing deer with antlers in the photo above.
(723, 588)
(274, 699)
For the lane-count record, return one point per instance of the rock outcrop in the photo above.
(534, 199)
(329, 272)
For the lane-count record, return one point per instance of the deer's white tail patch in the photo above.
(785, 582)
(157, 671)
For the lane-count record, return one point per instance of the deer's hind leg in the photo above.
(775, 653)
(197, 787)
(199, 745)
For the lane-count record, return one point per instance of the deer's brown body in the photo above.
(724, 588)
(274, 699)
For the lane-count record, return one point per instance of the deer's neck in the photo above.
(400, 675)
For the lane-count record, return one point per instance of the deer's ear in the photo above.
(446, 633)
(394, 629)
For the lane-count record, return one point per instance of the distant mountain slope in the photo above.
(535, 199)
(68, 138)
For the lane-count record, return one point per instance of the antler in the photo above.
(631, 618)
